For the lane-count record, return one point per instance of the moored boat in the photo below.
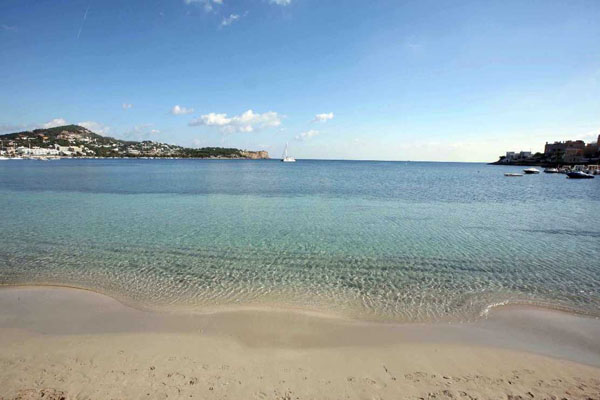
(285, 157)
(530, 171)
(579, 175)
(551, 170)
(512, 174)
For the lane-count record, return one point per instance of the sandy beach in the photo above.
(300, 200)
(59, 343)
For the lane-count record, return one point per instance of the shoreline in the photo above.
(207, 310)
(78, 299)
(543, 164)
(77, 343)
(53, 158)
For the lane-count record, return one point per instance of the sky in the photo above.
(387, 80)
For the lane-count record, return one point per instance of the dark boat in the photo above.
(579, 175)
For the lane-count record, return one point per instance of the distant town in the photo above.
(73, 141)
(568, 153)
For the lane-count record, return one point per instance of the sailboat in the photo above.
(285, 157)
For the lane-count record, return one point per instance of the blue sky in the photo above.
(397, 80)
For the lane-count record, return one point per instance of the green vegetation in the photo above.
(77, 141)
(207, 152)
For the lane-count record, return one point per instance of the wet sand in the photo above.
(69, 343)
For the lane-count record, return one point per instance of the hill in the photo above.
(77, 141)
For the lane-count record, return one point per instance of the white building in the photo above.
(513, 155)
(36, 151)
(525, 154)
(68, 150)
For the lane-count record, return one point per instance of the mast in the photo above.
(285, 153)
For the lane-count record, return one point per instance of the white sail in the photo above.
(285, 157)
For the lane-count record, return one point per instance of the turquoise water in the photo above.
(373, 240)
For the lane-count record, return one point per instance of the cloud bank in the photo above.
(248, 121)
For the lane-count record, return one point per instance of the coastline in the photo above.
(86, 345)
(280, 307)
(51, 158)
(543, 164)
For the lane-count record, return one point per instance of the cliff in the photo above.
(255, 155)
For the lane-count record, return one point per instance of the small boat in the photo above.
(285, 157)
(2, 158)
(512, 174)
(530, 171)
(579, 175)
(551, 171)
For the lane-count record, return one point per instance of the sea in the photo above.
(369, 240)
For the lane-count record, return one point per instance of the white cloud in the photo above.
(281, 2)
(127, 106)
(141, 132)
(180, 110)
(323, 117)
(95, 127)
(212, 119)
(55, 122)
(207, 4)
(9, 28)
(248, 121)
(230, 20)
(307, 135)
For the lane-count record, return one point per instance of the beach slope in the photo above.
(65, 343)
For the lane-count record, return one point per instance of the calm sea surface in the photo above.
(373, 240)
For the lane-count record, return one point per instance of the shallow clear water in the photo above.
(374, 240)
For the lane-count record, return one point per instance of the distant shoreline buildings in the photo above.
(76, 141)
(569, 152)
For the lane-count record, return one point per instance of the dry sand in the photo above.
(73, 344)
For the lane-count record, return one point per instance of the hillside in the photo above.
(77, 141)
